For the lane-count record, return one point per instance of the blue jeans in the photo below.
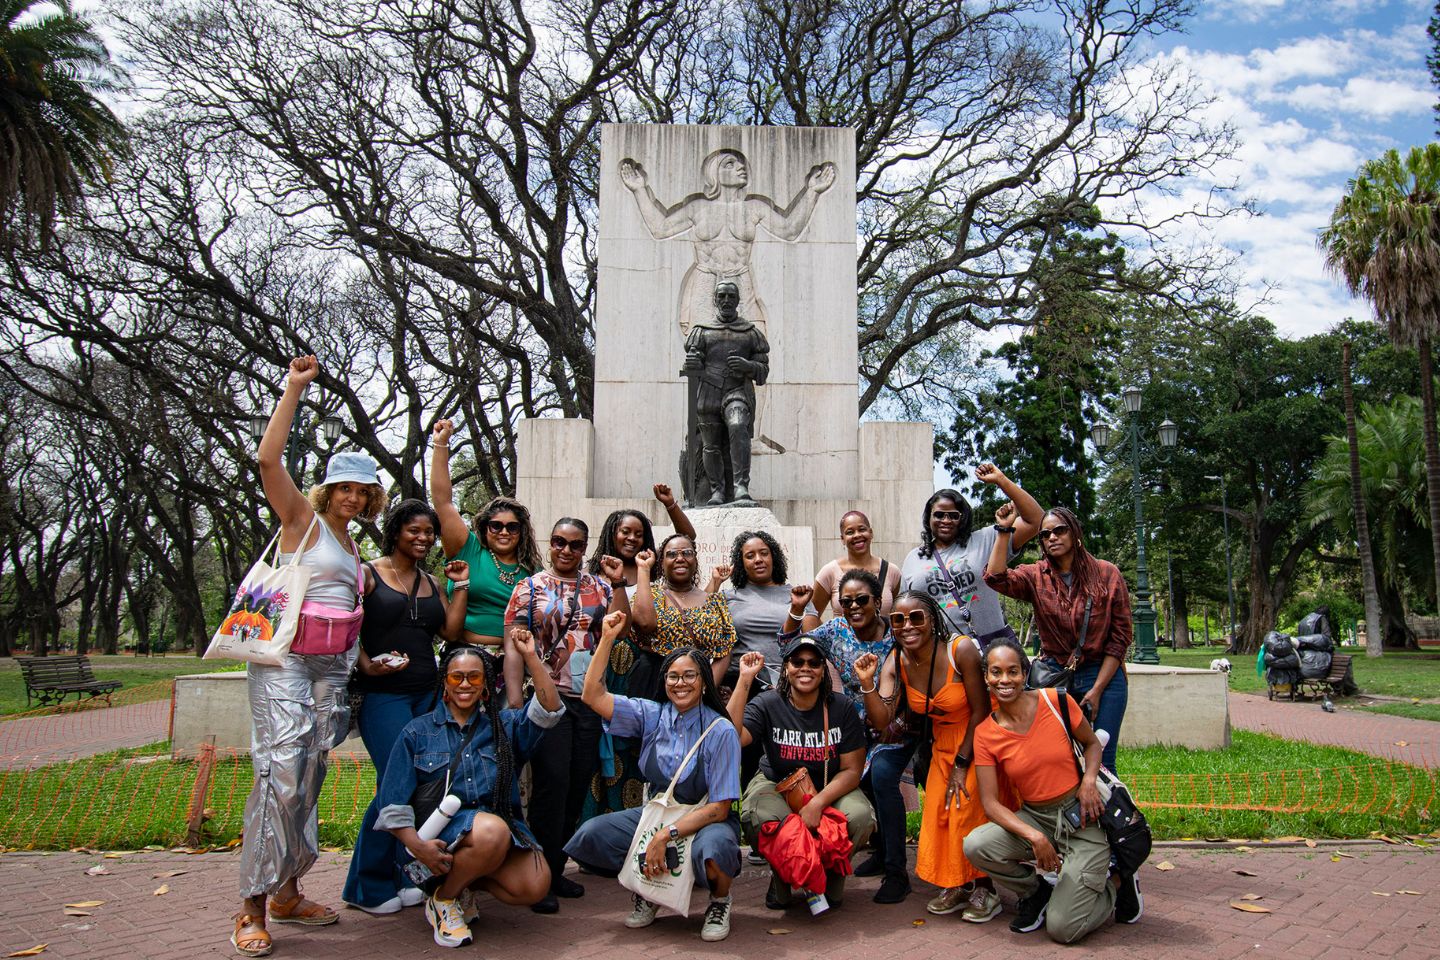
(374, 876)
(1111, 710)
(882, 784)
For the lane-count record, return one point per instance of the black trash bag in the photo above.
(1314, 641)
(1314, 664)
(1281, 676)
(1316, 622)
(1291, 661)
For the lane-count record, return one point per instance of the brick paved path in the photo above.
(1404, 739)
(1322, 909)
(36, 741)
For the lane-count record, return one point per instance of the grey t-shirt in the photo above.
(967, 566)
(759, 615)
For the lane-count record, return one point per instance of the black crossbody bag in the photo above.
(1125, 826)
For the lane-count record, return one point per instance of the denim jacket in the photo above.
(428, 742)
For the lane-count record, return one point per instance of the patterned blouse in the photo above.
(842, 648)
(707, 627)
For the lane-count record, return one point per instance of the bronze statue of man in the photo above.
(726, 359)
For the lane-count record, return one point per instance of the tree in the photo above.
(1433, 60)
(1374, 640)
(1384, 241)
(55, 133)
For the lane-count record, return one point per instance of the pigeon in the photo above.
(1327, 706)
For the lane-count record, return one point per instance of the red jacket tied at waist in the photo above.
(800, 858)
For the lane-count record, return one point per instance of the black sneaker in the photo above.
(893, 889)
(546, 904)
(871, 866)
(563, 886)
(1129, 904)
(777, 897)
(1030, 912)
(834, 888)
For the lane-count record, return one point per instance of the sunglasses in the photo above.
(945, 515)
(863, 600)
(675, 679)
(916, 618)
(575, 546)
(679, 554)
(474, 677)
(511, 527)
(806, 662)
(1058, 530)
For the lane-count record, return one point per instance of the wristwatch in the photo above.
(674, 833)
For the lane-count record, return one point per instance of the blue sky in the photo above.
(1314, 88)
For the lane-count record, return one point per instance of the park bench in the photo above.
(51, 679)
(1333, 684)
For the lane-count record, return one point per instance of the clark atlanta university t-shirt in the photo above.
(792, 738)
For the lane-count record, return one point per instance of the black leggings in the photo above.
(560, 775)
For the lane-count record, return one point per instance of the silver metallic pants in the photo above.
(298, 713)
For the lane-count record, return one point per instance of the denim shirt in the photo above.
(428, 742)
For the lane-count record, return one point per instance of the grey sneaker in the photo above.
(642, 913)
(984, 905)
(949, 900)
(717, 921)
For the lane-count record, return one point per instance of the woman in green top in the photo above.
(500, 550)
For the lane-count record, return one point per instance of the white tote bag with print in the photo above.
(260, 626)
(671, 889)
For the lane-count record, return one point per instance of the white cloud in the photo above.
(1366, 96)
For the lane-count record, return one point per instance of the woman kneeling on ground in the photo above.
(486, 845)
(789, 723)
(667, 732)
(1055, 829)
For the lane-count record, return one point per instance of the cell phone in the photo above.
(391, 660)
(672, 858)
(1073, 814)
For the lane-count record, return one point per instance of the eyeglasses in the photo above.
(945, 515)
(675, 679)
(511, 527)
(560, 543)
(916, 618)
(474, 677)
(1058, 530)
(679, 554)
(806, 662)
(863, 600)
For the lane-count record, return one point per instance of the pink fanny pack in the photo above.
(325, 629)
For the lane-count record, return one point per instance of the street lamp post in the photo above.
(1102, 435)
(1229, 574)
(301, 442)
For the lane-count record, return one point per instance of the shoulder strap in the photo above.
(1079, 653)
(949, 579)
(669, 794)
(1064, 713)
(300, 548)
(464, 742)
(825, 752)
(884, 569)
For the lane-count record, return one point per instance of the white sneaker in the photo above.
(392, 905)
(643, 913)
(717, 921)
(411, 896)
(448, 921)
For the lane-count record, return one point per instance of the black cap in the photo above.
(804, 640)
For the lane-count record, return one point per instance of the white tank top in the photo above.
(333, 571)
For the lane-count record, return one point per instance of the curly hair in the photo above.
(739, 579)
(400, 515)
(527, 552)
(377, 499)
(962, 537)
(660, 556)
(605, 546)
(709, 693)
(782, 686)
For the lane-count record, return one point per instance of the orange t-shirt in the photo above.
(1040, 763)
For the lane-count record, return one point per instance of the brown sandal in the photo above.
(301, 910)
(250, 938)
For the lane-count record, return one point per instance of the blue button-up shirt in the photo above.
(666, 735)
(427, 743)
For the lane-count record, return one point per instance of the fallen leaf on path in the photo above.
(34, 951)
(1249, 907)
(1379, 893)
(1310, 844)
(1411, 893)
(1336, 855)
(1251, 896)
(168, 873)
(99, 870)
(1164, 865)
(1387, 839)
(117, 855)
(330, 848)
(85, 904)
(1243, 849)
(1288, 839)
(72, 912)
(1402, 743)
(777, 931)
(229, 844)
(1246, 873)
(917, 923)
(161, 890)
(153, 846)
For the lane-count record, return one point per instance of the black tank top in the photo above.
(394, 622)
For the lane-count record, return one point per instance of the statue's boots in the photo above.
(712, 436)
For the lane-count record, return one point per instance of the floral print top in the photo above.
(707, 627)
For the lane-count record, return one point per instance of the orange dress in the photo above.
(941, 857)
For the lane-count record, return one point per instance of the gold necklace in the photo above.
(508, 577)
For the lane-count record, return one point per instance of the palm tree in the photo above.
(1374, 640)
(55, 134)
(1384, 241)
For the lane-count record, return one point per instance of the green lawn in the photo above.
(1415, 711)
(132, 671)
(1393, 675)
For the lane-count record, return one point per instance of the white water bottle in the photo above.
(436, 821)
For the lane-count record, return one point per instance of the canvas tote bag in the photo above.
(671, 889)
(260, 626)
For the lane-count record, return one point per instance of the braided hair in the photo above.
(782, 686)
(1084, 567)
(605, 547)
(489, 705)
(937, 622)
(739, 579)
(709, 693)
(962, 535)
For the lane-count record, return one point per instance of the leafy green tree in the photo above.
(1359, 517)
(1433, 60)
(1384, 240)
(1390, 440)
(55, 133)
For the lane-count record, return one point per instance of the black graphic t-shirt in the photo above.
(792, 738)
